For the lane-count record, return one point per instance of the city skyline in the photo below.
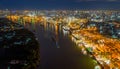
(60, 4)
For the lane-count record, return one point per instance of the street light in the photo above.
(97, 67)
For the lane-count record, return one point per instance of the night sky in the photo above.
(60, 4)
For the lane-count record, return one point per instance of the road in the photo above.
(66, 56)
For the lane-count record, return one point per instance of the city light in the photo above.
(94, 35)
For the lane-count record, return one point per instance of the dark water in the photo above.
(63, 55)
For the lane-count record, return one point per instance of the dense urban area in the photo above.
(95, 32)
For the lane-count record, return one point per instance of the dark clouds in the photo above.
(99, 0)
(60, 4)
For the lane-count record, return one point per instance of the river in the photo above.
(57, 50)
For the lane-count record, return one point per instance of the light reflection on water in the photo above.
(56, 32)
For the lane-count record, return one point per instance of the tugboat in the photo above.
(56, 41)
